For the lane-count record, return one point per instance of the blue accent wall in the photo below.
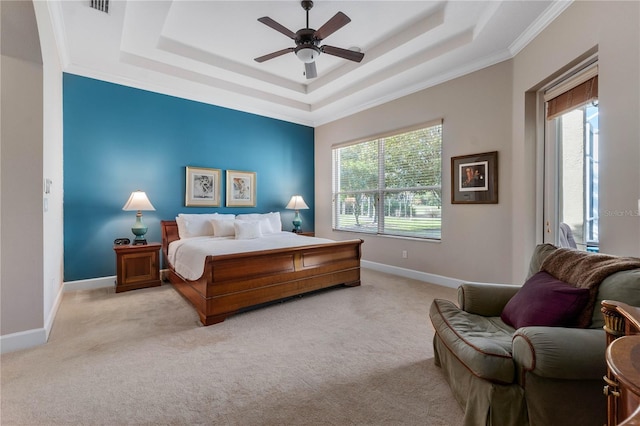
(118, 139)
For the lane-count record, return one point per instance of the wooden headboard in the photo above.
(169, 234)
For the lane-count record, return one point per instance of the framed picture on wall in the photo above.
(241, 189)
(474, 179)
(203, 187)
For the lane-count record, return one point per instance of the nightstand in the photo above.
(137, 266)
(306, 234)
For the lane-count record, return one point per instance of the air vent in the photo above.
(101, 5)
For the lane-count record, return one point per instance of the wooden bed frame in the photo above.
(233, 282)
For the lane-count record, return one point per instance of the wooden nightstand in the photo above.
(306, 234)
(137, 266)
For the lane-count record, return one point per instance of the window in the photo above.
(390, 185)
(571, 150)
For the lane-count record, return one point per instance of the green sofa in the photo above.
(533, 375)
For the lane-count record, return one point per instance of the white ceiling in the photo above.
(204, 50)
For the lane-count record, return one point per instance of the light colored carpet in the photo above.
(345, 356)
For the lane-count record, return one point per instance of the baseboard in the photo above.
(39, 336)
(48, 324)
(23, 340)
(410, 273)
(101, 282)
(90, 283)
(30, 338)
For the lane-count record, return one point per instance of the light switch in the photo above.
(47, 186)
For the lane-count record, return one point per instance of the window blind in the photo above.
(572, 93)
(391, 184)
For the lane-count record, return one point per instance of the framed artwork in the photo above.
(241, 189)
(474, 179)
(203, 187)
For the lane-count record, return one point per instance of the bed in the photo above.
(232, 282)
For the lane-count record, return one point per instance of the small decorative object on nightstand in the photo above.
(138, 266)
(138, 201)
(297, 203)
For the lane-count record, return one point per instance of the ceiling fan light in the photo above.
(307, 54)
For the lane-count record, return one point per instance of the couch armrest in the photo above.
(561, 353)
(484, 298)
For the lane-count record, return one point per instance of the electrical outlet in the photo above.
(404, 254)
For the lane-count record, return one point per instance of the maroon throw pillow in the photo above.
(545, 301)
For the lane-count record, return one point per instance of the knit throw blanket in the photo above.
(586, 270)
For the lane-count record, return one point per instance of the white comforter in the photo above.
(187, 256)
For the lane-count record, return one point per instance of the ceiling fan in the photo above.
(307, 41)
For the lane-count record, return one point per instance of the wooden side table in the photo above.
(623, 361)
(306, 234)
(622, 324)
(137, 266)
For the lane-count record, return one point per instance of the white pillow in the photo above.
(225, 216)
(253, 217)
(247, 229)
(210, 215)
(199, 225)
(249, 216)
(223, 227)
(182, 227)
(275, 224)
(265, 226)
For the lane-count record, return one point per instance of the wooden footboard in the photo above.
(234, 282)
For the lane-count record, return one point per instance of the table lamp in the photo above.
(297, 203)
(138, 201)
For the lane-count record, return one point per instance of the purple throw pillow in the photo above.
(545, 301)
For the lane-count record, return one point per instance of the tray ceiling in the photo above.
(204, 50)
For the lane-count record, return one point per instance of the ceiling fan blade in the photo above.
(343, 53)
(274, 54)
(278, 27)
(310, 70)
(338, 21)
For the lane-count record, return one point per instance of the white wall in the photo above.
(619, 45)
(32, 245)
(21, 165)
(477, 118)
(612, 29)
(53, 247)
(494, 109)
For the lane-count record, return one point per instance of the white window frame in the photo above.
(549, 150)
(380, 192)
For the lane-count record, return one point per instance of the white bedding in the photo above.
(187, 255)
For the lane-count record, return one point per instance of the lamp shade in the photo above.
(138, 201)
(297, 203)
(307, 54)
